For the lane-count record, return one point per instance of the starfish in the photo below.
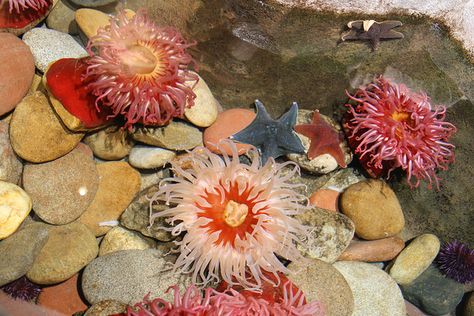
(370, 30)
(324, 139)
(272, 138)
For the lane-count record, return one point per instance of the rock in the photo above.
(326, 199)
(137, 216)
(105, 308)
(375, 293)
(111, 143)
(36, 85)
(17, 68)
(119, 238)
(320, 281)
(374, 250)
(63, 297)
(36, 134)
(109, 278)
(48, 46)
(433, 293)
(175, 136)
(322, 164)
(152, 177)
(62, 189)
(90, 20)
(92, 3)
(61, 18)
(10, 166)
(69, 249)
(146, 157)
(119, 183)
(227, 124)
(412, 310)
(331, 233)
(19, 251)
(204, 111)
(15, 205)
(415, 258)
(374, 208)
(469, 307)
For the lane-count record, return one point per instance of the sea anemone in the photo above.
(236, 217)
(22, 5)
(391, 127)
(20, 14)
(456, 261)
(140, 70)
(22, 289)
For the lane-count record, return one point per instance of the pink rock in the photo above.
(17, 69)
(227, 124)
(326, 199)
(373, 250)
(63, 297)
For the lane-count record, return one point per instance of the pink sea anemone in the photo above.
(236, 217)
(391, 127)
(140, 70)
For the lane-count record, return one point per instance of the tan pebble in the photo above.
(374, 208)
(373, 251)
(227, 124)
(90, 20)
(106, 307)
(119, 238)
(15, 205)
(415, 259)
(37, 134)
(204, 111)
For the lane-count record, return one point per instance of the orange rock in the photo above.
(63, 297)
(227, 124)
(373, 251)
(326, 199)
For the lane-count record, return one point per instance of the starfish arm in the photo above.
(335, 151)
(289, 118)
(350, 36)
(357, 24)
(391, 34)
(390, 24)
(261, 111)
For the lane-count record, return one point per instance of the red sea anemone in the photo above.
(18, 15)
(391, 127)
(236, 217)
(456, 260)
(140, 70)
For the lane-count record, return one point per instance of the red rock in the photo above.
(326, 199)
(17, 69)
(19, 23)
(63, 297)
(227, 124)
(374, 250)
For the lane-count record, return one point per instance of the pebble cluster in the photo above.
(74, 207)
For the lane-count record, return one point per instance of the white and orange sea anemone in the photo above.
(140, 70)
(236, 217)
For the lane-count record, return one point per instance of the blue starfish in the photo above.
(273, 138)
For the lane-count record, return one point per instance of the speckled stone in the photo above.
(147, 157)
(61, 18)
(19, 251)
(105, 308)
(324, 163)
(175, 136)
(69, 248)
(320, 281)
(48, 46)
(331, 234)
(375, 292)
(119, 183)
(36, 133)
(433, 293)
(128, 275)
(137, 216)
(415, 258)
(111, 143)
(10, 165)
(62, 189)
(15, 205)
(204, 111)
(119, 238)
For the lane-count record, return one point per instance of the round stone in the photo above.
(119, 183)
(146, 157)
(61, 18)
(415, 258)
(19, 251)
(375, 292)
(69, 249)
(374, 208)
(10, 166)
(15, 205)
(111, 143)
(373, 251)
(107, 307)
(331, 233)
(17, 68)
(326, 199)
(204, 111)
(36, 133)
(93, 3)
(320, 281)
(62, 189)
(90, 20)
(227, 124)
(119, 238)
